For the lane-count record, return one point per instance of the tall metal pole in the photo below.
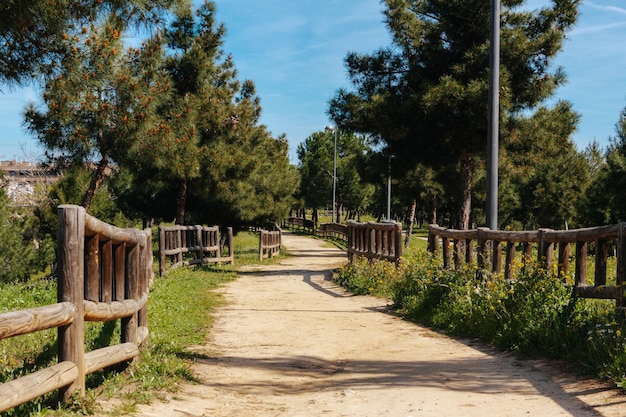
(494, 118)
(335, 175)
(334, 131)
(389, 190)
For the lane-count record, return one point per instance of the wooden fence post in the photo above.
(581, 263)
(482, 247)
(621, 267)
(398, 243)
(71, 287)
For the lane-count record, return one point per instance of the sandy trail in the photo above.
(292, 343)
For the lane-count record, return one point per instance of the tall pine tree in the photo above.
(425, 97)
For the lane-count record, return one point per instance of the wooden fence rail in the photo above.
(473, 246)
(375, 240)
(203, 242)
(299, 224)
(269, 243)
(104, 274)
(333, 230)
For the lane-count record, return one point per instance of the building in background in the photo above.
(24, 180)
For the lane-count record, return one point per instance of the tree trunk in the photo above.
(181, 201)
(466, 174)
(409, 230)
(96, 179)
(433, 210)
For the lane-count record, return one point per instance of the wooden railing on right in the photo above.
(104, 274)
(474, 246)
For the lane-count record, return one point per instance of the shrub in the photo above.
(535, 314)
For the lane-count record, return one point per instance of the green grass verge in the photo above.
(180, 309)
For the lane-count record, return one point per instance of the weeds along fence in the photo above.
(203, 243)
(333, 230)
(375, 241)
(483, 246)
(104, 274)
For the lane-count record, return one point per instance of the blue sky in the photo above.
(294, 51)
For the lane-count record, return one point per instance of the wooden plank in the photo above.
(31, 386)
(106, 272)
(31, 320)
(581, 263)
(120, 272)
(118, 235)
(606, 292)
(113, 310)
(92, 261)
(99, 359)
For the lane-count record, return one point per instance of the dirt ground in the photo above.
(291, 343)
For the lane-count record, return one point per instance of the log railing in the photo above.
(333, 230)
(269, 243)
(203, 242)
(104, 274)
(460, 247)
(299, 224)
(375, 241)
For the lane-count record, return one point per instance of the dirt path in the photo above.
(292, 343)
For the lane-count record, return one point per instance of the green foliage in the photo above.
(316, 157)
(535, 314)
(33, 32)
(424, 99)
(23, 251)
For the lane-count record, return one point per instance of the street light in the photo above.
(334, 132)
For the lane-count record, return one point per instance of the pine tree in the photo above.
(95, 104)
(33, 32)
(425, 98)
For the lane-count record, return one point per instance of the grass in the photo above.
(180, 309)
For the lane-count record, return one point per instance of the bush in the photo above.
(535, 314)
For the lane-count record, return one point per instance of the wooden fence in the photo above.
(333, 230)
(203, 242)
(375, 240)
(299, 224)
(474, 246)
(103, 274)
(269, 243)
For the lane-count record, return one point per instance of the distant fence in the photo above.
(474, 246)
(299, 224)
(104, 274)
(333, 230)
(203, 242)
(269, 243)
(375, 241)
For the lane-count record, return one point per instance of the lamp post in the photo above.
(334, 132)
(494, 115)
(389, 190)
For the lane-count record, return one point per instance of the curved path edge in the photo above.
(292, 343)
